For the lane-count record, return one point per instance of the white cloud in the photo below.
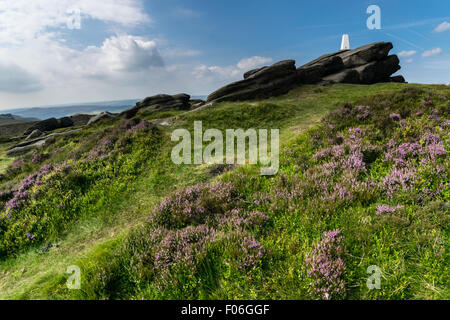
(444, 26)
(410, 60)
(432, 52)
(37, 66)
(231, 72)
(407, 53)
(127, 54)
(253, 62)
(23, 20)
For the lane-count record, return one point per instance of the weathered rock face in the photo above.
(50, 125)
(45, 125)
(365, 54)
(80, 119)
(65, 122)
(35, 134)
(161, 102)
(314, 71)
(368, 64)
(260, 83)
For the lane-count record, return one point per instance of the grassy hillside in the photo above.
(363, 181)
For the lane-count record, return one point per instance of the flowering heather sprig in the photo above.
(181, 250)
(142, 126)
(348, 155)
(363, 112)
(22, 194)
(395, 116)
(400, 154)
(435, 115)
(399, 179)
(252, 252)
(195, 205)
(30, 236)
(427, 102)
(102, 150)
(382, 209)
(39, 157)
(326, 268)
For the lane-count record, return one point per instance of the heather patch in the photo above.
(326, 267)
(48, 194)
(184, 235)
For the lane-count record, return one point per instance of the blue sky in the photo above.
(131, 49)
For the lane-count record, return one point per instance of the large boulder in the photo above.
(315, 70)
(35, 134)
(368, 64)
(65, 122)
(345, 76)
(45, 125)
(365, 54)
(80, 119)
(260, 83)
(160, 102)
(378, 71)
(50, 125)
(398, 79)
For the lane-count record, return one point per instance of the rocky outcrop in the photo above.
(45, 125)
(26, 146)
(80, 119)
(35, 134)
(260, 83)
(315, 70)
(160, 102)
(65, 122)
(196, 102)
(50, 125)
(368, 64)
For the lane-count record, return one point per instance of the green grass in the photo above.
(95, 235)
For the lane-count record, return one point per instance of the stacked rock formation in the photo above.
(261, 83)
(365, 65)
(50, 125)
(161, 102)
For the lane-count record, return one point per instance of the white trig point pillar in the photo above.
(345, 45)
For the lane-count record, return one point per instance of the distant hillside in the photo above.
(9, 118)
(60, 111)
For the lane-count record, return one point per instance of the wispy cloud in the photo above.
(444, 26)
(407, 53)
(432, 52)
(186, 13)
(405, 41)
(233, 71)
